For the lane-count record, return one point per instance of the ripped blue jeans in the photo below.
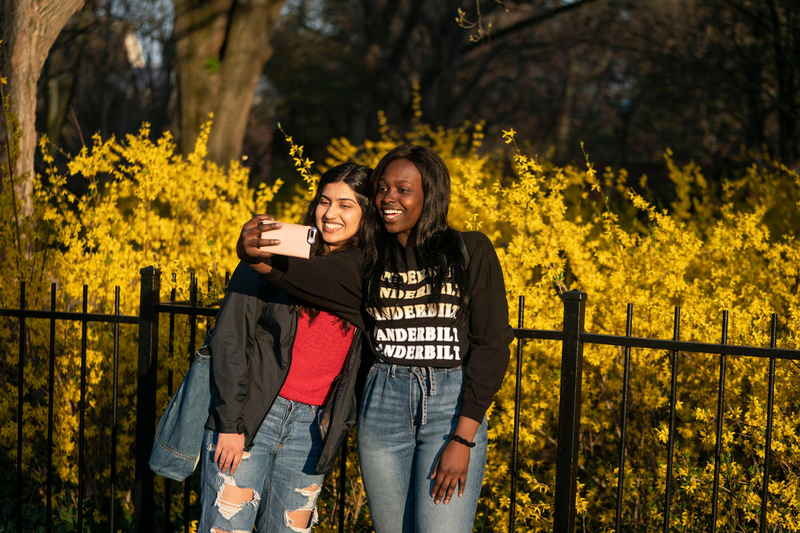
(279, 469)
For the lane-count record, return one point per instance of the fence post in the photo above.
(143, 489)
(569, 412)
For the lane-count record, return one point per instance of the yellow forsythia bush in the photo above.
(144, 206)
(731, 249)
(714, 247)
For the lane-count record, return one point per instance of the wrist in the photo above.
(461, 440)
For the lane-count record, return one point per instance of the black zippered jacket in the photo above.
(251, 351)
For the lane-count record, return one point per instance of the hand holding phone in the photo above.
(296, 240)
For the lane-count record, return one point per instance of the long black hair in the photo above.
(437, 246)
(357, 178)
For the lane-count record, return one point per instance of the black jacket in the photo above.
(251, 351)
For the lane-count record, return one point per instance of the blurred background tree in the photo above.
(704, 78)
(27, 29)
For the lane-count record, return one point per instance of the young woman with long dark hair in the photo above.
(283, 380)
(432, 303)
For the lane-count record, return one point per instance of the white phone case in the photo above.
(296, 240)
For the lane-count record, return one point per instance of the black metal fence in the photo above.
(84, 318)
(572, 337)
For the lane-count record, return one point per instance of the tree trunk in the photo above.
(199, 32)
(28, 29)
(61, 71)
(247, 51)
(566, 113)
(222, 47)
(787, 107)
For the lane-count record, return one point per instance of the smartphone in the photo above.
(296, 240)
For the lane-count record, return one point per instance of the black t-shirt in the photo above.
(408, 328)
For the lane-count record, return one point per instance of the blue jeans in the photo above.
(406, 414)
(279, 467)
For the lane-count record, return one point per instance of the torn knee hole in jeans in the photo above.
(305, 517)
(232, 498)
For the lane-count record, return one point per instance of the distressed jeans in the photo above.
(406, 414)
(280, 469)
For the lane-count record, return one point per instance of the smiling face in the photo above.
(337, 215)
(400, 198)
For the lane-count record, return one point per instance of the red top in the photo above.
(317, 358)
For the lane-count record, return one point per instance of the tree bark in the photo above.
(787, 107)
(222, 47)
(28, 29)
(199, 32)
(61, 71)
(247, 51)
